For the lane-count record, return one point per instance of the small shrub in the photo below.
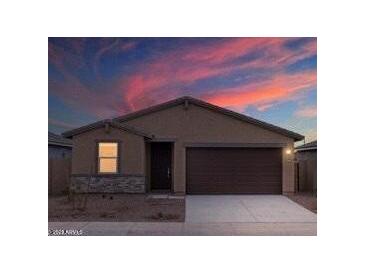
(161, 216)
(107, 215)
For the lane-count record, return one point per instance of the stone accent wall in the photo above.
(114, 184)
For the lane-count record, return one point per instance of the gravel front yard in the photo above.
(307, 200)
(116, 207)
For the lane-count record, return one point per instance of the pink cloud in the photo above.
(307, 112)
(74, 92)
(166, 76)
(281, 88)
(111, 46)
(220, 52)
(124, 46)
(264, 107)
(185, 66)
(62, 58)
(100, 54)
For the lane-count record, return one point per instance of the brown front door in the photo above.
(161, 172)
(234, 170)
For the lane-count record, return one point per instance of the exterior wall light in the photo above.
(288, 151)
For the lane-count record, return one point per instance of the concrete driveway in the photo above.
(245, 209)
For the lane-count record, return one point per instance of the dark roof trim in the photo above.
(58, 144)
(185, 100)
(308, 146)
(235, 145)
(112, 123)
(57, 140)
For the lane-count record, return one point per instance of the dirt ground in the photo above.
(307, 200)
(115, 207)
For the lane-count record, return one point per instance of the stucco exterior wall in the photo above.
(288, 169)
(132, 158)
(307, 161)
(197, 125)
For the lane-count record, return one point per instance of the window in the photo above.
(108, 157)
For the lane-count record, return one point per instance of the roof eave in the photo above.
(80, 130)
(248, 119)
(59, 144)
(305, 149)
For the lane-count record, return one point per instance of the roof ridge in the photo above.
(199, 102)
(202, 103)
(152, 108)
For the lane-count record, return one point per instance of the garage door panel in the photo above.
(233, 189)
(234, 170)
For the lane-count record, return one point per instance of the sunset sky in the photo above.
(271, 79)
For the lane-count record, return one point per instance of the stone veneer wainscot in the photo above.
(108, 184)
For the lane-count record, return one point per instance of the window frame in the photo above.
(117, 158)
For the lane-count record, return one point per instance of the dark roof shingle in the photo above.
(307, 146)
(112, 123)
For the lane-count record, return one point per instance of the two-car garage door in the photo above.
(234, 170)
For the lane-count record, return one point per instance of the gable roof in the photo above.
(307, 146)
(57, 140)
(191, 100)
(112, 123)
(116, 122)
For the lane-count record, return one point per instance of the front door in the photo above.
(161, 172)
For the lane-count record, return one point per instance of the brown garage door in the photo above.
(234, 170)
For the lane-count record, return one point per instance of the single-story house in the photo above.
(59, 147)
(183, 146)
(306, 157)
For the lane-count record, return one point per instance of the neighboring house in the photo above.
(306, 157)
(59, 147)
(186, 146)
(59, 164)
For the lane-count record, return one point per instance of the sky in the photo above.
(270, 79)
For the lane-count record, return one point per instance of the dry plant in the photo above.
(79, 200)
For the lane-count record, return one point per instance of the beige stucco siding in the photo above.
(197, 125)
(307, 164)
(132, 158)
